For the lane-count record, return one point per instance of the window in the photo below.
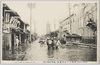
(7, 17)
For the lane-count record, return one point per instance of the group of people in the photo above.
(52, 43)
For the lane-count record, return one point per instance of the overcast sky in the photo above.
(42, 13)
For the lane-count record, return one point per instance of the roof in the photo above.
(6, 7)
(73, 36)
(21, 20)
(13, 13)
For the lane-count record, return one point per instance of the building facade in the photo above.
(79, 17)
(12, 26)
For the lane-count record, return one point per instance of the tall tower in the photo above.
(48, 29)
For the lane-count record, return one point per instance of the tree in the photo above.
(53, 34)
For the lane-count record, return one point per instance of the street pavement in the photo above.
(38, 52)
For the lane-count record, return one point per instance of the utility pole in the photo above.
(84, 15)
(34, 26)
(31, 6)
(54, 25)
(48, 28)
(70, 18)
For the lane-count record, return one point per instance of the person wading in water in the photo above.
(49, 44)
(58, 44)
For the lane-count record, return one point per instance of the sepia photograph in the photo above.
(48, 32)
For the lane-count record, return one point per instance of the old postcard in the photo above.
(49, 32)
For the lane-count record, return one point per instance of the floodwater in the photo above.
(38, 52)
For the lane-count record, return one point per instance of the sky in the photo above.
(42, 13)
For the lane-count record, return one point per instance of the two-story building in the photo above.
(12, 26)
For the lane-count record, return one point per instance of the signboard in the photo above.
(14, 22)
(6, 28)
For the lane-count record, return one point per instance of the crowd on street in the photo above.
(51, 42)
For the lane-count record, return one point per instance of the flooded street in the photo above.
(38, 52)
(49, 32)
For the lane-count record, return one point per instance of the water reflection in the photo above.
(38, 52)
(50, 53)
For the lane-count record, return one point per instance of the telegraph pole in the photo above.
(84, 15)
(54, 25)
(34, 26)
(70, 19)
(31, 6)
